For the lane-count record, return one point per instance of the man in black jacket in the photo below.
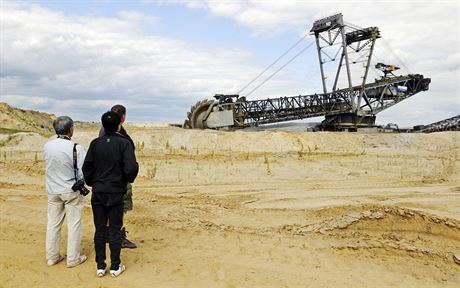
(109, 165)
(128, 196)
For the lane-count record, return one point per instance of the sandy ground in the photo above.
(255, 209)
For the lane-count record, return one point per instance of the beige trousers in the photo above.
(60, 206)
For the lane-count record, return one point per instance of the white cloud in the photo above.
(88, 62)
(134, 16)
(81, 65)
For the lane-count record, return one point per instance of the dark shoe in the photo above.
(125, 243)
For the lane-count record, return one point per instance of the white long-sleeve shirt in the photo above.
(59, 175)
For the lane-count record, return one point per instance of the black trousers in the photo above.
(107, 207)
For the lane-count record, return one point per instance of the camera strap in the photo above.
(75, 167)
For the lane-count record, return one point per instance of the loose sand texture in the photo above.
(254, 209)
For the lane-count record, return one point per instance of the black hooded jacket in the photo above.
(110, 163)
(122, 132)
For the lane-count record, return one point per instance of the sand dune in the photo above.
(255, 209)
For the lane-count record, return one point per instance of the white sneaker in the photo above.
(457, 258)
(101, 272)
(115, 273)
(79, 261)
(54, 262)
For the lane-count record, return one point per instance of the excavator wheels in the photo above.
(195, 117)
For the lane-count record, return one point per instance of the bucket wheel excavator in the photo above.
(344, 109)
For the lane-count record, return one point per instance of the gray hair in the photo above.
(62, 125)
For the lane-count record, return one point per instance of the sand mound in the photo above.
(255, 209)
(389, 228)
(15, 120)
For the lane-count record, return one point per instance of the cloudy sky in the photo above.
(159, 57)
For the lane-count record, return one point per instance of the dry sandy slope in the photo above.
(256, 209)
(14, 120)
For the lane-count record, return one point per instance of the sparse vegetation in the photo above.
(152, 172)
(267, 164)
(7, 141)
(20, 120)
(10, 131)
(276, 190)
(140, 145)
(300, 152)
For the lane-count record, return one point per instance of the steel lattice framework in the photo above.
(347, 108)
(380, 95)
(450, 124)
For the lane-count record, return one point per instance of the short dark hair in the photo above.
(110, 120)
(119, 109)
(62, 125)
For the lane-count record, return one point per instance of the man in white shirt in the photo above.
(62, 200)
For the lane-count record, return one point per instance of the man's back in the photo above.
(63, 202)
(122, 132)
(58, 154)
(110, 164)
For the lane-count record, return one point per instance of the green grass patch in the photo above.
(10, 131)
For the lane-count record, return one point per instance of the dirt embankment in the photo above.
(13, 120)
(255, 209)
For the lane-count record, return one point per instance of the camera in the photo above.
(80, 186)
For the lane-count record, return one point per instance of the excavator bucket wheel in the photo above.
(195, 118)
(187, 122)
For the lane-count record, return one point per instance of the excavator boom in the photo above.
(344, 109)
